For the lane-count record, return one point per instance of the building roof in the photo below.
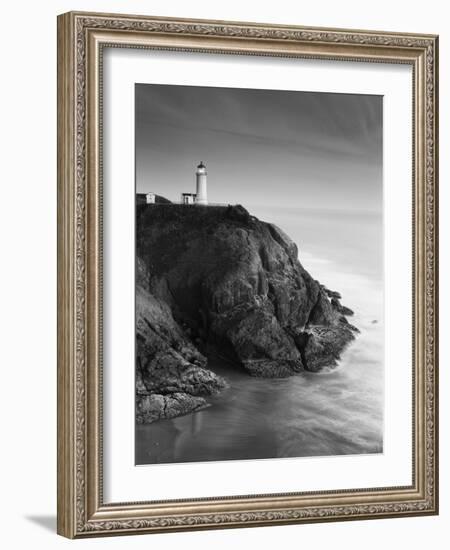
(201, 165)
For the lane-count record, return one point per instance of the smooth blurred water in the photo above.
(331, 413)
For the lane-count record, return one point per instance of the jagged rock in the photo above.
(236, 286)
(332, 293)
(258, 341)
(324, 345)
(156, 407)
(340, 308)
(171, 373)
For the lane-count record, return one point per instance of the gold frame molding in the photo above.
(81, 39)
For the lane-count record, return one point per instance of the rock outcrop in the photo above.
(216, 280)
(171, 378)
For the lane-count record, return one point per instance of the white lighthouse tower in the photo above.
(202, 195)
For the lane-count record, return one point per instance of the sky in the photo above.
(285, 149)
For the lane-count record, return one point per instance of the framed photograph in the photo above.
(247, 274)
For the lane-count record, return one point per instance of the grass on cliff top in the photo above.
(192, 215)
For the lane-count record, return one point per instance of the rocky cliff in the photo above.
(216, 280)
(171, 378)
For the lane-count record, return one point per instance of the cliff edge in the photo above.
(216, 280)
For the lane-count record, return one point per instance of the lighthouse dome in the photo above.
(201, 168)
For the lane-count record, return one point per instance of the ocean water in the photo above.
(335, 412)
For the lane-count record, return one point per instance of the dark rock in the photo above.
(258, 341)
(322, 313)
(340, 308)
(167, 363)
(236, 283)
(325, 344)
(157, 407)
(331, 293)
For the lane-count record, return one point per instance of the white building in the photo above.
(202, 195)
(200, 198)
(188, 198)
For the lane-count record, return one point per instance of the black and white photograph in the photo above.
(259, 274)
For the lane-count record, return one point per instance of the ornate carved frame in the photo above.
(81, 38)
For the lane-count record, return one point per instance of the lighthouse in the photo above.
(202, 196)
